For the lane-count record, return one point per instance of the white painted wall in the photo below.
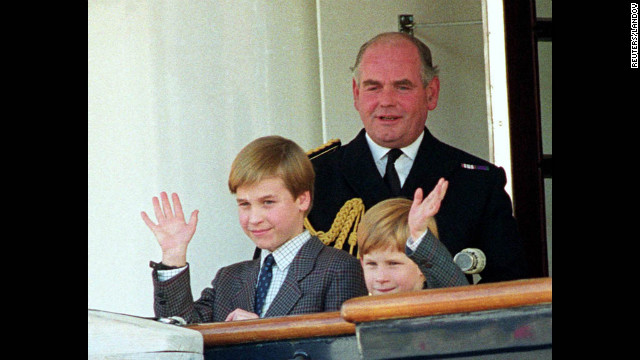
(175, 90)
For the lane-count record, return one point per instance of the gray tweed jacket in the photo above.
(436, 263)
(320, 279)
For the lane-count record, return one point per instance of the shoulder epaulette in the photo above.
(325, 148)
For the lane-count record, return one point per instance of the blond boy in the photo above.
(392, 260)
(272, 179)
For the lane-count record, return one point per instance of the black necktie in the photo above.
(263, 283)
(390, 174)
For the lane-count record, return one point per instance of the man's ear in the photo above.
(356, 93)
(433, 91)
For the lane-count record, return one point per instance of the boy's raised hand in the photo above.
(172, 232)
(423, 209)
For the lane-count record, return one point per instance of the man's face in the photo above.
(391, 100)
(269, 214)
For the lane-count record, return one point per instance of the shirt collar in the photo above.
(286, 252)
(379, 152)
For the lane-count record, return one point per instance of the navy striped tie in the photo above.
(263, 283)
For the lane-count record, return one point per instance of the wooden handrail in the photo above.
(276, 328)
(381, 307)
(448, 300)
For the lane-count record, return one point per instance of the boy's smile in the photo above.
(388, 271)
(269, 214)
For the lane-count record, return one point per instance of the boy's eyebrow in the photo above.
(261, 198)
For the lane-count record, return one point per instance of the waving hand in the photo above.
(171, 231)
(423, 210)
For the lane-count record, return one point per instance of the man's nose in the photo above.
(387, 97)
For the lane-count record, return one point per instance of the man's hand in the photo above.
(423, 210)
(172, 232)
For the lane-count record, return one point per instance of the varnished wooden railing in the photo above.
(448, 300)
(277, 328)
(381, 307)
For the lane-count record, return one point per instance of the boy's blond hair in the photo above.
(386, 225)
(273, 156)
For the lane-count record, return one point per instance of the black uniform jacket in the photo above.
(476, 211)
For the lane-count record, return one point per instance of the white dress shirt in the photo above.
(283, 256)
(403, 166)
(404, 162)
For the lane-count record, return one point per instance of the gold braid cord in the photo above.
(345, 224)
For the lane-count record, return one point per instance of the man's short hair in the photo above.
(427, 70)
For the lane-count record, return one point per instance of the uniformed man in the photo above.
(394, 87)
